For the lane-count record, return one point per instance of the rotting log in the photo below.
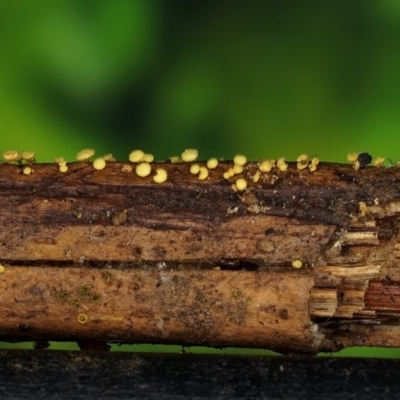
(109, 256)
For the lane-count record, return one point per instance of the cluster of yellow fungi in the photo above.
(141, 163)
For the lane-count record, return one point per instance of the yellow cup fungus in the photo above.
(282, 164)
(240, 160)
(203, 173)
(352, 157)
(312, 167)
(297, 263)
(28, 155)
(226, 175)
(136, 156)
(256, 177)
(189, 155)
(302, 161)
(60, 160)
(143, 169)
(85, 154)
(11, 155)
(63, 168)
(27, 170)
(2, 268)
(237, 169)
(241, 184)
(148, 157)
(127, 168)
(194, 169)
(160, 176)
(175, 159)
(108, 157)
(99, 164)
(378, 161)
(212, 163)
(265, 166)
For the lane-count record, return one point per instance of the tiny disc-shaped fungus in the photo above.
(136, 156)
(212, 163)
(28, 155)
(241, 184)
(203, 173)
(2, 268)
(297, 263)
(148, 157)
(189, 155)
(302, 161)
(99, 163)
(240, 160)
(143, 169)
(85, 154)
(63, 168)
(11, 155)
(194, 169)
(27, 170)
(160, 176)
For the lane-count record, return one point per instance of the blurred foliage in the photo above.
(266, 78)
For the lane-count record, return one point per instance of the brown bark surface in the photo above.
(108, 255)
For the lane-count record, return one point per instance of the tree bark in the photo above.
(110, 256)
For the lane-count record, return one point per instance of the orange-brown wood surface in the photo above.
(110, 256)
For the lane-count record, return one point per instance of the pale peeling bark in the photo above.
(107, 255)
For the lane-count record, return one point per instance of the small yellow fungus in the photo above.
(136, 156)
(194, 169)
(161, 175)
(231, 172)
(59, 160)
(237, 169)
(357, 165)
(315, 161)
(302, 161)
(143, 169)
(352, 157)
(378, 161)
(226, 175)
(282, 164)
(82, 318)
(27, 170)
(127, 168)
(241, 184)
(189, 155)
(85, 154)
(297, 263)
(11, 155)
(148, 157)
(63, 168)
(99, 164)
(203, 173)
(256, 177)
(2, 268)
(212, 163)
(28, 155)
(108, 157)
(265, 166)
(240, 159)
(312, 167)
(175, 159)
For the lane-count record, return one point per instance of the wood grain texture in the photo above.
(196, 262)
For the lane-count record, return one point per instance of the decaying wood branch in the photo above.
(108, 255)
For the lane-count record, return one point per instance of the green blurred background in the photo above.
(265, 78)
